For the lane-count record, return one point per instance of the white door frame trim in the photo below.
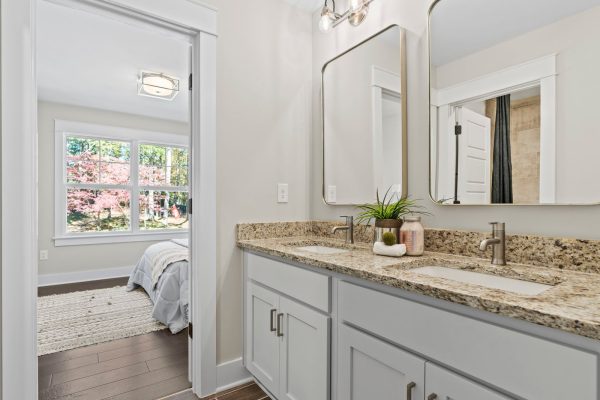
(382, 81)
(19, 153)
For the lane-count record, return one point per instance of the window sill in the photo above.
(89, 239)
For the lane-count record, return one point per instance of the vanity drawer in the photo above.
(519, 363)
(309, 287)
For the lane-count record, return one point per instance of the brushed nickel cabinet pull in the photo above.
(409, 389)
(432, 396)
(272, 327)
(279, 324)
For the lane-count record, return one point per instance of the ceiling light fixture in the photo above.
(355, 14)
(157, 85)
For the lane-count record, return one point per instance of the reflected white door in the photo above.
(474, 158)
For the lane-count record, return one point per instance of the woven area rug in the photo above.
(77, 319)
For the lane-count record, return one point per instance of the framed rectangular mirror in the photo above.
(364, 120)
(514, 90)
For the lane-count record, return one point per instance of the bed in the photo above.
(170, 293)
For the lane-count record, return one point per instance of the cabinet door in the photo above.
(369, 368)
(304, 352)
(262, 343)
(445, 385)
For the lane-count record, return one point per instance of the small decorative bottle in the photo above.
(412, 235)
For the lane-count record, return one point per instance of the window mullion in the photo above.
(135, 194)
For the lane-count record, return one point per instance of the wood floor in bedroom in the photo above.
(144, 367)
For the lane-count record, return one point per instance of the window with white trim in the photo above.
(117, 184)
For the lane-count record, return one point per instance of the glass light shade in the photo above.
(326, 20)
(324, 23)
(356, 17)
(158, 85)
(356, 5)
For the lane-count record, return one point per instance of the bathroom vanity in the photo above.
(345, 324)
(327, 320)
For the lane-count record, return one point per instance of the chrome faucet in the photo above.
(498, 242)
(349, 228)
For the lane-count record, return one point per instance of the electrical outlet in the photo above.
(282, 193)
(331, 194)
(43, 255)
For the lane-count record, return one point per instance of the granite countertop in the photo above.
(571, 305)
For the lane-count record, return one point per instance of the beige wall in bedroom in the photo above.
(66, 259)
(263, 128)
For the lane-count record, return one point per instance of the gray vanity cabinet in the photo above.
(369, 368)
(442, 384)
(389, 344)
(286, 339)
(262, 348)
(304, 353)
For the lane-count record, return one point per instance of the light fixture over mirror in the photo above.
(355, 14)
(158, 85)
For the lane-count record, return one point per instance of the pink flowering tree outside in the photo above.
(93, 162)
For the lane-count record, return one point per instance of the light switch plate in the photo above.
(331, 194)
(282, 193)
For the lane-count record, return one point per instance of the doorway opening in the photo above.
(114, 161)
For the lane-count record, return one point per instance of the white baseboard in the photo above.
(231, 374)
(83, 276)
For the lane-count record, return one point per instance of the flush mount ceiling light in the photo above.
(158, 85)
(355, 14)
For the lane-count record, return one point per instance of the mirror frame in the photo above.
(403, 97)
(430, 142)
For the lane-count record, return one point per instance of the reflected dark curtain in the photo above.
(502, 166)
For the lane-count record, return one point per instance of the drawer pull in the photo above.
(279, 324)
(409, 389)
(432, 396)
(272, 327)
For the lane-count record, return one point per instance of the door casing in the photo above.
(19, 153)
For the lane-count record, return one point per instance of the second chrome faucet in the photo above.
(498, 243)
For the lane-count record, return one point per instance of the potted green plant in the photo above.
(387, 213)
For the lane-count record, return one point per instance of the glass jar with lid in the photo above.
(412, 235)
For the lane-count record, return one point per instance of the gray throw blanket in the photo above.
(170, 295)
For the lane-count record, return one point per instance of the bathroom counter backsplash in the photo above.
(571, 305)
(561, 253)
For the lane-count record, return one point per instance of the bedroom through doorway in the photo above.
(114, 162)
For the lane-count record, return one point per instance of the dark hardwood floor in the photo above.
(81, 286)
(250, 391)
(144, 367)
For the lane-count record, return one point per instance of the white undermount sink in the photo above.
(485, 280)
(322, 249)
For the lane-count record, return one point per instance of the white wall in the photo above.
(575, 41)
(349, 162)
(568, 221)
(66, 259)
(263, 130)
